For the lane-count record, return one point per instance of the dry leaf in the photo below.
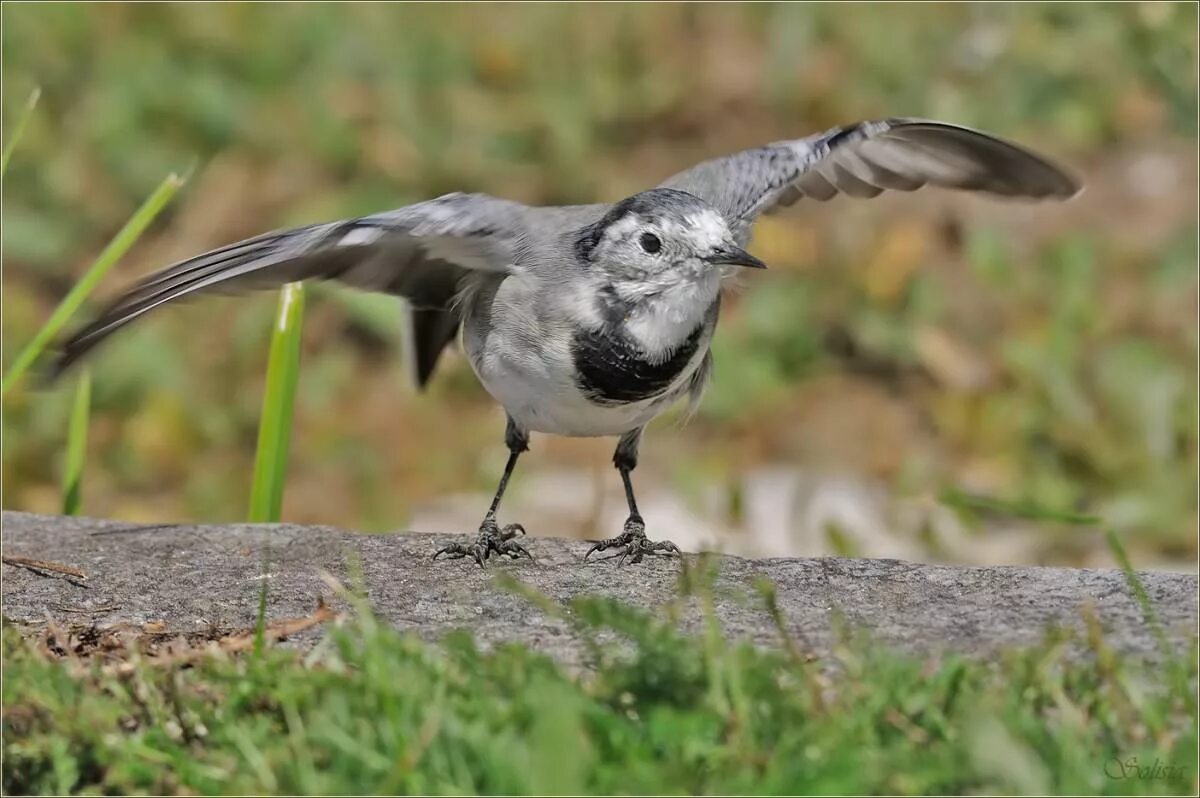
(952, 362)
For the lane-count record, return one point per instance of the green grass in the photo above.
(373, 711)
(77, 439)
(19, 129)
(77, 427)
(124, 239)
(279, 399)
(270, 468)
(974, 504)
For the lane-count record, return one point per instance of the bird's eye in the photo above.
(650, 243)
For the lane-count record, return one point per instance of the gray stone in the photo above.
(192, 576)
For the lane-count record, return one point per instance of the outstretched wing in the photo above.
(864, 160)
(420, 252)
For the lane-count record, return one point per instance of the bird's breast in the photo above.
(561, 368)
(613, 368)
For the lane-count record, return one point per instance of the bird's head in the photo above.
(662, 236)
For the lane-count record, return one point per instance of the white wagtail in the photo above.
(589, 320)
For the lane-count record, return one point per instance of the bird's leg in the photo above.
(493, 538)
(632, 541)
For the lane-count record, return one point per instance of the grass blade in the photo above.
(19, 129)
(77, 437)
(1138, 589)
(123, 240)
(970, 502)
(275, 426)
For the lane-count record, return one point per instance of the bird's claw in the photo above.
(491, 539)
(635, 544)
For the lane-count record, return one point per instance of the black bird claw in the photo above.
(635, 544)
(491, 539)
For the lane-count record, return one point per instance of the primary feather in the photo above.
(864, 160)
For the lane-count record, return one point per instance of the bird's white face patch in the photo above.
(707, 229)
(696, 233)
(682, 238)
(625, 228)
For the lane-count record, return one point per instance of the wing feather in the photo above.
(866, 159)
(421, 252)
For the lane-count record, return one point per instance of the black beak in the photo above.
(734, 256)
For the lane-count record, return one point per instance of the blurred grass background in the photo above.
(929, 344)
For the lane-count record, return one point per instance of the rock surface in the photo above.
(192, 576)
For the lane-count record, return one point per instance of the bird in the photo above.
(589, 320)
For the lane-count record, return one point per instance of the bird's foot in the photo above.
(491, 539)
(634, 543)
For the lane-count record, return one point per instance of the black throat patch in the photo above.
(611, 369)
